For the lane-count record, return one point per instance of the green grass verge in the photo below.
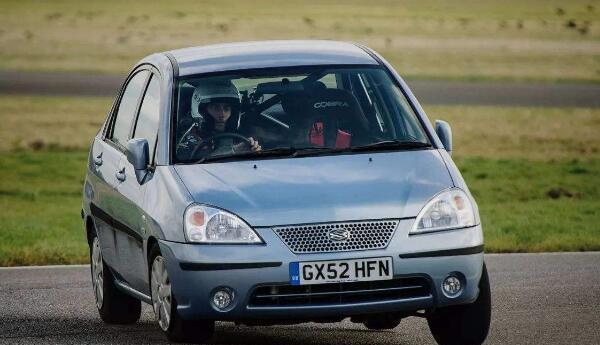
(536, 206)
(525, 206)
(549, 40)
(40, 203)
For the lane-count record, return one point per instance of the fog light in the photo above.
(452, 286)
(223, 298)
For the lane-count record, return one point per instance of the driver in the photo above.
(215, 109)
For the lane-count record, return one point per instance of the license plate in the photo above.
(322, 272)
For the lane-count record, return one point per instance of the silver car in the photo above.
(280, 182)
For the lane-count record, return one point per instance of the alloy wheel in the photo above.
(161, 293)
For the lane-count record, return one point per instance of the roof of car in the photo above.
(263, 54)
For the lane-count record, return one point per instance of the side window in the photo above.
(124, 120)
(147, 122)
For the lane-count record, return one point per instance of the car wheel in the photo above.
(382, 322)
(113, 305)
(165, 307)
(464, 324)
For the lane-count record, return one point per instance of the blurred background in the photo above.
(518, 80)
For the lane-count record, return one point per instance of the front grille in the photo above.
(317, 238)
(340, 293)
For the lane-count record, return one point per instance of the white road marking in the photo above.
(43, 267)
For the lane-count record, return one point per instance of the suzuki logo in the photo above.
(339, 235)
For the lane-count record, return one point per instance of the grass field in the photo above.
(40, 203)
(534, 171)
(549, 40)
(520, 132)
(50, 122)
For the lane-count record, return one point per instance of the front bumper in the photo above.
(196, 271)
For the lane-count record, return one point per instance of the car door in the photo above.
(107, 153)
(129, 205)
(103, 164)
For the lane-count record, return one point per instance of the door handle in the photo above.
(98, 159)
(121, 175)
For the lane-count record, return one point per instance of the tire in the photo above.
(114, 306)
(382, 322)
(164, 305)
(467, 324)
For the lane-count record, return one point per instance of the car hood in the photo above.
(320, 189)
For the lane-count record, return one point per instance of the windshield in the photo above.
(308, 110)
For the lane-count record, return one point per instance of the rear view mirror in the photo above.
(444, 132)
(138, 155)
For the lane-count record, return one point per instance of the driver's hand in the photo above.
(241, 147)
(254, 146)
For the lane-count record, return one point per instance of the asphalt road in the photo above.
(537, 299)
(430, 92)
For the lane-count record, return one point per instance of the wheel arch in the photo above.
(89, 229)
(151, 243)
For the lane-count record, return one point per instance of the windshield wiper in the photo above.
(315, 150)
(391, 144)
(310, 150)
(274, 152)
(279, 151)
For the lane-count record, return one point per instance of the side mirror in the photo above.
(137, 154)
(444, 132)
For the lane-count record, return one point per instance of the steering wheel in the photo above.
(218, 138)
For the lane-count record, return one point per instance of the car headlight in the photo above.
(450, 209)
(204, 224)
